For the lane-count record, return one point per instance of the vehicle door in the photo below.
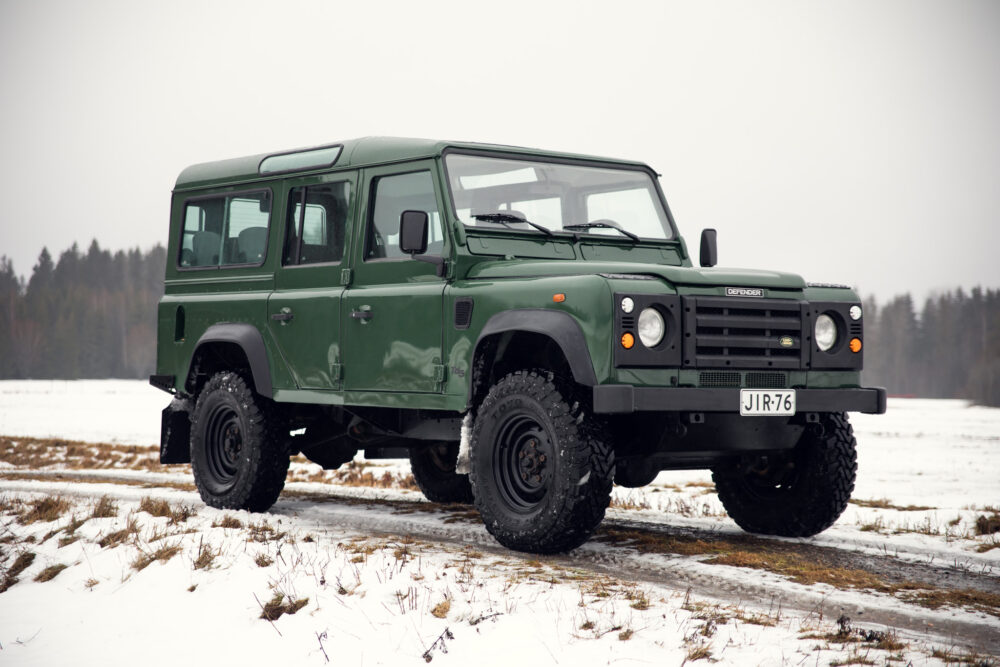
(392, 311)
(304, 310)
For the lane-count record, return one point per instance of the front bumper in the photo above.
(624, 398)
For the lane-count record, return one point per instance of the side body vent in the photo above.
(463, 313)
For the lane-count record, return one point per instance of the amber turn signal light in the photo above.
(855, 345)
(558, 298)
(628, 340)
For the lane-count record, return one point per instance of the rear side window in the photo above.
(317, 224)
(228, 230)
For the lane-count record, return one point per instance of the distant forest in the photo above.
(93, 315)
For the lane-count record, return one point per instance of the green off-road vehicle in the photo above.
(526, 326)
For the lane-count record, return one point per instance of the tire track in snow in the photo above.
(340, 509)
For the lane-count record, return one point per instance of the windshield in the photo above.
(524, 194)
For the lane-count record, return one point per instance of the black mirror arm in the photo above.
(437, 260)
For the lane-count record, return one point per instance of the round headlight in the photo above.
(826, 332)
(651, 327)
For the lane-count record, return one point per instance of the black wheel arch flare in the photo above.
(248, 338)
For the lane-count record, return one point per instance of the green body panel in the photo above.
(673, 275)
(309, 343)
(381, 332)
(586, 301)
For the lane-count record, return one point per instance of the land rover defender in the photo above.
(525, 326)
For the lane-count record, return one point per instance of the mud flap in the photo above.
(175, 432)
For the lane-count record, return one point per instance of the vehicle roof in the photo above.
(357, 153)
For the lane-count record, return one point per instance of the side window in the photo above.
(226, 230)
(393, 195)
(317, 223)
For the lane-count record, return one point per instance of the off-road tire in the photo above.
(568, 471)
(802, 493)
(239, 450)
(433, 469)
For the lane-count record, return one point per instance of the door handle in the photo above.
(364, 314)
(284, 316)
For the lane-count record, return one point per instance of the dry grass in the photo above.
(788, 561)
(264, 532)
(44, 476)
(279, 605)
(51, 572)
(44, 510)
(118, 537)
(441, 609)
(206, 557)
(163, 554)
(162, 508)
(848, 634)
(988, 603)
(988, 524)
(20, 564)
(631, 502)
(105, 508)
(855, 658)
(886, 504)
(953, 657)
(227, 521)
(41, 453)
(800, 569)
(354, 474)
(700, 652)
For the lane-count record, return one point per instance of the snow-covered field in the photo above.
(383, 577)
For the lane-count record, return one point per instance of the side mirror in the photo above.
(709, 249)
(413, 232)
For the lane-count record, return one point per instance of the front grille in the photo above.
(719, 379)
(766, 380)
(742, 333)
(750, 379)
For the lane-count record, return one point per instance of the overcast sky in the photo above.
(854, 142)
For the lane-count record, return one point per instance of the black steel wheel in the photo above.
(433, 469)
(797, 494)
(541, 466)
(239, 450)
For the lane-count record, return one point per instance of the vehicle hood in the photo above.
(675, 275)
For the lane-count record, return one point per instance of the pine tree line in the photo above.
(89, 315)
(93, 315)
(950, 349)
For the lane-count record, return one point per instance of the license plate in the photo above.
(757, 402)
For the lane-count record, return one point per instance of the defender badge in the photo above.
(786, 341)
(744, 291)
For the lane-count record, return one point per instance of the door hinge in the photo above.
(345, 277)
(336, 371)
(439, 372)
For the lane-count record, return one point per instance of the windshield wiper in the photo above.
(603, 224)
(504, 217)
